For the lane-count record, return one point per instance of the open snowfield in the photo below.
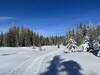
(49, 61)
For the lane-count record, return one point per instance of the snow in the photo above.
(49, 61)
(84, 47)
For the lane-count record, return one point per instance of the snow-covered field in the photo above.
(49, 61)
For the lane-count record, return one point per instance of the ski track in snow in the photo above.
(19, 69)
(31, 65)
(34, 68)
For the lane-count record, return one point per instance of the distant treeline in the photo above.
(23, 36)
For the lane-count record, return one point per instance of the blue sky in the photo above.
(48, 17)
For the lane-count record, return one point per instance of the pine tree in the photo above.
(1, 39)
(80, 34)
(70, 35)
(11, 36)
(91, 32)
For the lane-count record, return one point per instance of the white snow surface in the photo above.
(50, 61)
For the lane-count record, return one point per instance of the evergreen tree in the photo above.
(1, 39)
(80, 34)
(70, 35)
(12, 36)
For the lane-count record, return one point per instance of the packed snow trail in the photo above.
(35, 67)
(31, 65)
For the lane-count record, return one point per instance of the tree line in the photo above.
(23, 36)
(83, 30)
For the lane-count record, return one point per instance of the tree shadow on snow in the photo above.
(53, 68)
(70, 67)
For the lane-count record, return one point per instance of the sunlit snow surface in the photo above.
(49, 61)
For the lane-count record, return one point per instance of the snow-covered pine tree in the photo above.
(70, 40)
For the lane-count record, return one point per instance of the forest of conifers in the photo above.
(24, 36)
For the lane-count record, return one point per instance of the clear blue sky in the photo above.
(49, 17)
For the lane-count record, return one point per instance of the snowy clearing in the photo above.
(49, 61)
